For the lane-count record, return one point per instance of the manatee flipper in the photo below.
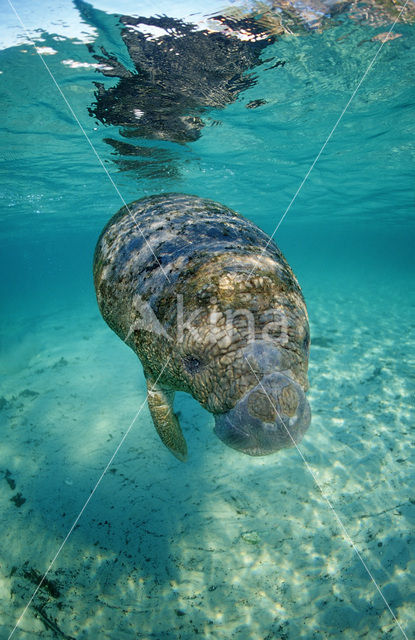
(160, 403)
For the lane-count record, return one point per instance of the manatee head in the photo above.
(272, 414)
(251, 373)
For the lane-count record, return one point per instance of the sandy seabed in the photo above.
(224, 545)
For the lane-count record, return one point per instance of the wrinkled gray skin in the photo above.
(211, 307)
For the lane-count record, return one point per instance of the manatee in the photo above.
(211, 307)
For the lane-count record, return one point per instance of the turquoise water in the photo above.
(225, 545)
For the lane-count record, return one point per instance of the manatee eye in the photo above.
(192, 364)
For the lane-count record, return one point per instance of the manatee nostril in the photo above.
(259, 406)
(288, 400)
(192, 364)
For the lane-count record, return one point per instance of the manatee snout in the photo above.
(272, 415)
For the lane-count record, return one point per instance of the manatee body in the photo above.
(211, 307)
